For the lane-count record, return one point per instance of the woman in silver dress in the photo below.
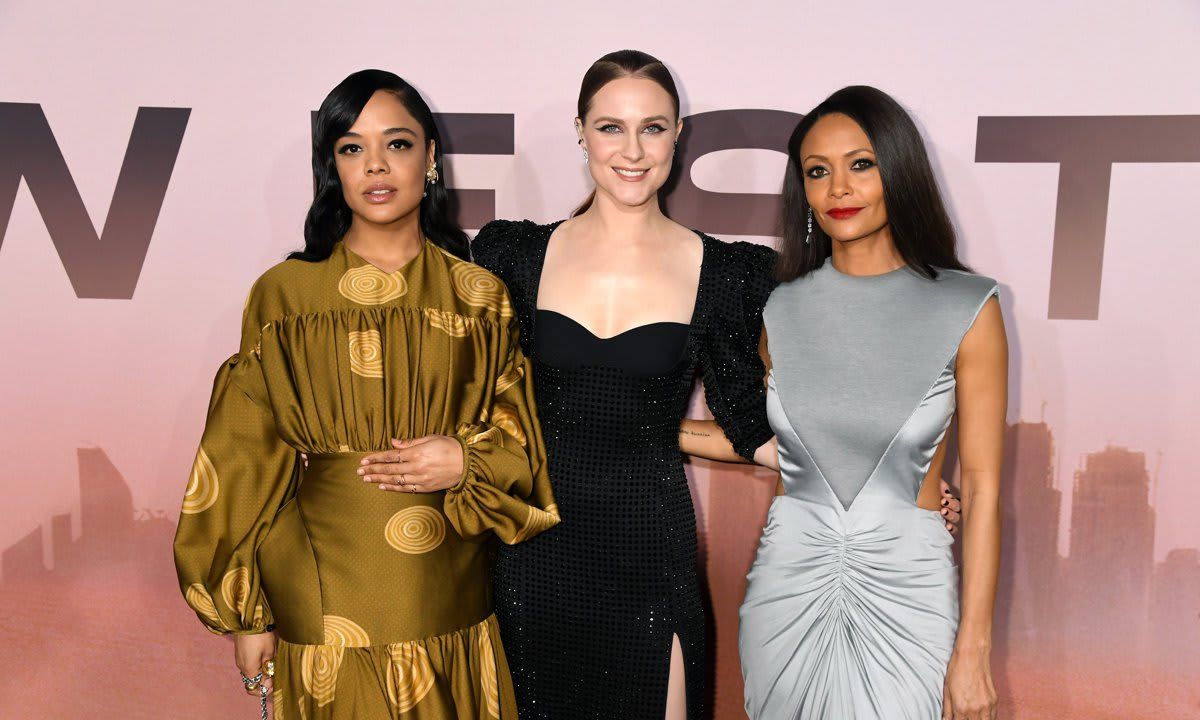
(876, 340)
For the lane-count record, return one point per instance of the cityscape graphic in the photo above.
(96, 613)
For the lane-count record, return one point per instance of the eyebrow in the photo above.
(389, 131)
(618, 121)
(852, 152)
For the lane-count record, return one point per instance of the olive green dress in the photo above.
(381, 600)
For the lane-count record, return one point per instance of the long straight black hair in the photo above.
(329, 216)
(613, 66)
(920, 225)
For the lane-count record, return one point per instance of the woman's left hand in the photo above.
(951, 508)
(968, 693)
(425, 464)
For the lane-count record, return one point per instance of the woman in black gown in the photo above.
(601, 617)
(589, 610)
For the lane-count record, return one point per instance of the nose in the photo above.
(633, 150)
(839, 184)
(376, 163)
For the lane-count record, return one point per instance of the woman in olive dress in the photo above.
(372, 599)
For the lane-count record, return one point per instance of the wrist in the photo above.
(972, 647)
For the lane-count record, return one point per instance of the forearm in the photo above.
(705, 439)
(981, 562)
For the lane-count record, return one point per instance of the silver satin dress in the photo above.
(852, 603)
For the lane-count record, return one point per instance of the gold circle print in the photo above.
(452, 324)
(478, 287)
(510, 378)
(410, 676)
(319, 665)
(416, 530)
(200, 601)
(368, 285)
(203, 486)
(343, 632)
(504, 416)
(366, 353)
(488, 676)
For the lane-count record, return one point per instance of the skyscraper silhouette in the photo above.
(1112, 551)
(1028, 596)
(1175, 610)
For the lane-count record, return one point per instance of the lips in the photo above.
(843, 213)
(378, 193)
(631, 174)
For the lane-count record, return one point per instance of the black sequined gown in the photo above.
(588, 608)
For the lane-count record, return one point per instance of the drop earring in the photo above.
(808, 238)
(431, 178)
(585, 156)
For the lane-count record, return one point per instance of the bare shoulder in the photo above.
(685, 241)
(986, 341)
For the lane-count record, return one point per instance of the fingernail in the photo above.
(382, 486)
(945, 502)
(362, 462)
(366, 478)
(360, 471)
(946, 512)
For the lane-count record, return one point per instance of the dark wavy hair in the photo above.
(613, 66)
(329, 216)
(921, 227)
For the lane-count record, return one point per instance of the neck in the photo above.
(873, 254)
(619, 223)
(388, 246)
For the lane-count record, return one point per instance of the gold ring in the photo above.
(412, 488)
(268, 668)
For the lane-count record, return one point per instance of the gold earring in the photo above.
(431, 175)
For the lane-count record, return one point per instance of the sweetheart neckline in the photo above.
(587, 330)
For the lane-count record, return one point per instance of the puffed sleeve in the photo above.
(505, 486)
(504, 248)
(730, 364)
(242, 474)
(488, 247)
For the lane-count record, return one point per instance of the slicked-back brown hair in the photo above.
(614, 66)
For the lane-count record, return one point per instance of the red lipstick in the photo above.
(843, 213)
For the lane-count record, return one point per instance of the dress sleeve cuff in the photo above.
(479, 504)
(466, 471)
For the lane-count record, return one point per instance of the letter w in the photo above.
(107, 265)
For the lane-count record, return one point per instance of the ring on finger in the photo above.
(412, 488)
(251, 684)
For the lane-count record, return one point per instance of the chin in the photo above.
(382, 215)
(633, 199)
(846, 235)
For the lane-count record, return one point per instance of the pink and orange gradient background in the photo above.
(102, 401)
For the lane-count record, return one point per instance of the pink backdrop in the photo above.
(1055, 127)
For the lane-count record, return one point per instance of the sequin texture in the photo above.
(587, 609)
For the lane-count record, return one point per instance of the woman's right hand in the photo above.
(251, 652)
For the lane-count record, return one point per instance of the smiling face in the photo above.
(629, 133)
(841, 179)
(382, 160)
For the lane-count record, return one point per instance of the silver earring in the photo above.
(585, 156)
(808, 238)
